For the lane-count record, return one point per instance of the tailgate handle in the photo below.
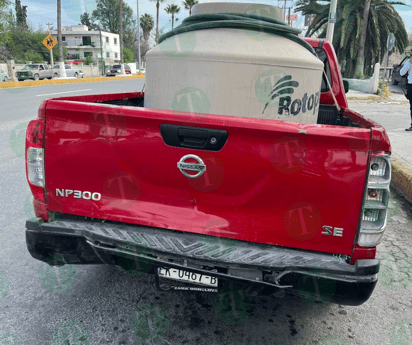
(188, 136)
(193, 137)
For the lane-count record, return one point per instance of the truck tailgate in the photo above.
(272, 182)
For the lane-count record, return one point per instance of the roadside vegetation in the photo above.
(361, 31)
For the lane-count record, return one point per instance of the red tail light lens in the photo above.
(35, 164)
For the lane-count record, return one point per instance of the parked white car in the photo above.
(4, 76)
(70, 72)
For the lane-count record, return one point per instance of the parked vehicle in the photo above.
(115, 70)
(396, 75)
(70, 72)
(4, 76)
(268, 205)
(34, 71)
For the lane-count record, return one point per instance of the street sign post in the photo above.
(49, 42)
(390, 43)
(293, 18)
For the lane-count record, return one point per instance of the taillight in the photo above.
(35, 164)
(376, 200)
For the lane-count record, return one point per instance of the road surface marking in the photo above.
(59, 93)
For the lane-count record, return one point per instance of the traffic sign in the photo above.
(391, 42)
(293, 18)
(49, 42)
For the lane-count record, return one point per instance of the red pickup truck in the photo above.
(207, 201)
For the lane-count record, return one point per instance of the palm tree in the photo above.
(360, 61)
(172, 9)
(360, 34)
(188, 4)
(147, 24)
(158, 2)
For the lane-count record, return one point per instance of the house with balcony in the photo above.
(81, 43)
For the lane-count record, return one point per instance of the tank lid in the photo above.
(238, 7)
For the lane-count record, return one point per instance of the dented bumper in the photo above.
(267, 269)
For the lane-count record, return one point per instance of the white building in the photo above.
(80, 43)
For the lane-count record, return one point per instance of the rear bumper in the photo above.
(271, 268)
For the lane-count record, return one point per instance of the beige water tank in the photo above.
(234, 72)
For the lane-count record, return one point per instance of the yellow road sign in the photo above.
(49, 42)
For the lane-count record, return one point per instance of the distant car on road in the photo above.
(115, 70)
(70, 72)
(34, 71)
(396, 76)
(4, 76)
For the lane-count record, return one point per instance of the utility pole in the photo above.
(101, 52)
(289, 17)
(51, 50)
(122, 71)
(59, 39)
(331, 20)
(138, 37)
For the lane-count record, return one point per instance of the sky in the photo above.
(42, 11)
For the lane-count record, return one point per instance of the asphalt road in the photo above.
(99, 304)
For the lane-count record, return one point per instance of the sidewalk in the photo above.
(400, 141)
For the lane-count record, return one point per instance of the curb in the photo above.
(401, 177)
(63, 81)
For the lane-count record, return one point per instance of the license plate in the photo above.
(186, 276)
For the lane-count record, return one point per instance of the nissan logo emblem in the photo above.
(199, 166)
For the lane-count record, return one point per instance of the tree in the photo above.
(34, 57)
(86, 19)
(147, 24)
(5, 14)
(360, 60)
(19, 13)
(158, 2)
(172, 9)
(88, 60)
(381, 19)
(188, 4)
(107, 15)
(128, 55)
